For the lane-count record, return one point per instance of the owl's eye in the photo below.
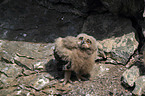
(81, 38)
(88, 41)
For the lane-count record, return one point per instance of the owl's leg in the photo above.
(67, 66)
(79, 77)
(67, 74)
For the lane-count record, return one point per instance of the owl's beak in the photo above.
(82, 42)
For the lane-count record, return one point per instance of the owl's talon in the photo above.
(65, 82)
(80, 78)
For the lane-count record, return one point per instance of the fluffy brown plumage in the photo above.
(75, 54)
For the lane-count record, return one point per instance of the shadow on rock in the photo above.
(54, 70)
(141, 67)
(127, 86)
(51, 68)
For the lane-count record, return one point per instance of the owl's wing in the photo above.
(70, 42)
(63, 48)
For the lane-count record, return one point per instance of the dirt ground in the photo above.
(105, 80)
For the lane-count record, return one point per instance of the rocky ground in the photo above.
(28, 67)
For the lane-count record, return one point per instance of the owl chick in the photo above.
(75, 54)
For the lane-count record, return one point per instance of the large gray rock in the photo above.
(119, 49)
(130, 76)
(120, 42)
(37, 81)
(9, 73)
(103, 26)
(139, 86)
(25, 50)
(56, 18)
(23, 65)
(125, 7)
(41, 25)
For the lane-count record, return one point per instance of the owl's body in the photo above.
(82, 63)
(75, 54)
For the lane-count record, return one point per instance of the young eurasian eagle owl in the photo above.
(75, 54)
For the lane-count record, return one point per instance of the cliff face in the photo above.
(45, 20)
(27, 32)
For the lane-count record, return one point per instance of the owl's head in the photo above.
(86, 42)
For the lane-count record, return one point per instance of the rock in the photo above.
(57, 18)
(36, 81)
(20, 90)
(120, 43)
(143, 51)
(21, 63)
(9, 72)
(130, 76)
(139, 89)
(122, 47)
(119, 49)
(123, 7)
(7, 91)
(46, 24)
(101, 70)
(40, 82)
(107, 25)
(20, 51)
